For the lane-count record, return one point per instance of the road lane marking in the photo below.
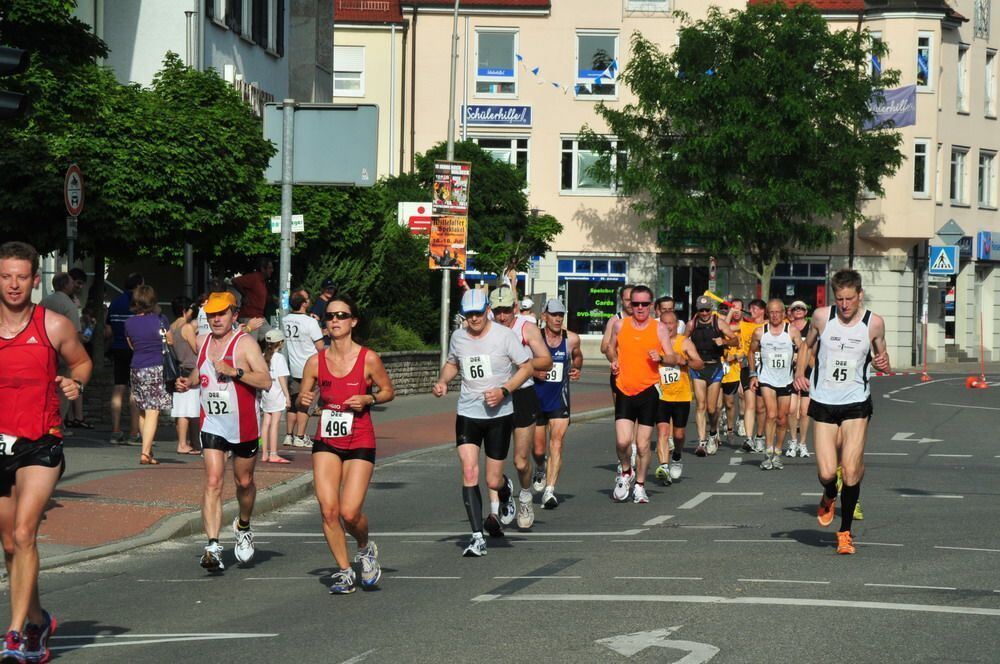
(465, 533)
(811, 494)
(207, 578)
(358, 658)
(717, 526)
(753, 541)
(929, 495)
(634, 643)
(537, 576)
(514, 537)
(735, 461)
(726, 478)
(818, 583)
(966, 548)
(147, 639)
(657, 520)
(647, 541)
(705, 495)
(426, 578)
(958, 405)
(661, 578)
(902, 585)
(279, 578)
(957, 456)
(887, 453)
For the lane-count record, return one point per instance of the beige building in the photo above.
(531, 71)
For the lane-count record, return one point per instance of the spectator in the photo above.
(79, 278)
(120, 311)
(318, 310)
(304, 339)
(253, 287)
(60, 300)
(275, 400)
(183, 337)
(145, 333)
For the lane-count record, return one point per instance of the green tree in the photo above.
(746, 139)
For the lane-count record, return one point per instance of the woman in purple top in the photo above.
(144, 332)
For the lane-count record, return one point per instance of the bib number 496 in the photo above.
(336, 424)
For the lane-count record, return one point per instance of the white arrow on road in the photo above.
(905, 437)
(630, 644)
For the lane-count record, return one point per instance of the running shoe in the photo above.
(803, 451)
(748, 445)
(663, 474)
(776, 462)
(476, 548)
(13, 648)
(492, 526)
(741, 429)
(712, 446)
(845, 543)
(825, 511)
(117, 438)
(858, 514)
(507, 508)
(36, 639)
(549, 500)
(792, 448)
(244, 542)
(371, 571)
(639, 496)
(622, 486)
(289, 441)
(538, 480)
(701, 450)
(767, 463)
(212, 558)
(758, 444)
(302, 441)
(676, 469)
(525, 514)
(342, 582)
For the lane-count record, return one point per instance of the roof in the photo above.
(367, 11)
(482, 4)
(856, 6)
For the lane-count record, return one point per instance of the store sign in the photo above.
(987, 246)
(483, 115)
(965, 248)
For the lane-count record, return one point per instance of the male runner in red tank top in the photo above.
(31, 457)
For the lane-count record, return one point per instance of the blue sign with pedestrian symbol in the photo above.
(944, 260)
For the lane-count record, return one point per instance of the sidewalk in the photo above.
(107, 503)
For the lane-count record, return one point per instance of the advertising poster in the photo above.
(449, 235)
(451, 187)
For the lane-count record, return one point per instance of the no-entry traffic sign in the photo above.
(73, 191)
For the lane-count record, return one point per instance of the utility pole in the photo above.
(445, 272)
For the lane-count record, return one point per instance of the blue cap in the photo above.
(474, 302)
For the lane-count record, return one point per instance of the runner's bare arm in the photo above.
(611, 352)
(576, 356)
(448, 372)
(307, 389)
(805, 351)
(542, 358)
(66, 341)
(255, 372)
(877, 330)
(730, 337)
(608, 338)
(691, 353)
(669, 357)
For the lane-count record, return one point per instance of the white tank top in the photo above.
(776, 354)
(519, 331)
(843, 362)
(229, 408)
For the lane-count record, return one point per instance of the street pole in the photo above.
(190, 62)
(445, 272)
(285, 261)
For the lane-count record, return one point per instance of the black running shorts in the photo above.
(785, 391)
(47, 451)
(493, 434)
(639, 408)
(544, 417)
(245, 450)
(363, 453)
(821, 412)
(730, 388)
(674, 412)
(526, 406)
(121, 365)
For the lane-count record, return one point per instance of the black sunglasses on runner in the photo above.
(339, 315)
(637, 303)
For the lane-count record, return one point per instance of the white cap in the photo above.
(527, 303)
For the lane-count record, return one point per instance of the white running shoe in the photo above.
(701, 449)
(212, 558)
(676, 469)
(639, 496)
(538, 480)
(622, 485)
(476, 548)
(776, 462)
(371, 571)
(549, 500)
(712, 446)
(741, 429)
(244, 542)
(670, 442)
(289, 440)
(302, 441)
(507, 508)
(342, 582)
(758, 444)
(803, 451)
(791, 448)
(525, 514)
(767, 463)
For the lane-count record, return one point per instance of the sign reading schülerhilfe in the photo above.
(488, 115)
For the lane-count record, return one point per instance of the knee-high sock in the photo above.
(473, 500)
(848, 500)
(830, 489)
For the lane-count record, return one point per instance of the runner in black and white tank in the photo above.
(847, 340)
(777, 342)
(492, 363)
(710, 336)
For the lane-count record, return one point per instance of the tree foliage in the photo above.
(746, 139)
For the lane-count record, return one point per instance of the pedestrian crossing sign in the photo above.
(944, 260)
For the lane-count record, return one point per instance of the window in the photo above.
(875, 61)
(578, 166)
(589, 287)
(990, 84)
(513, 151)
(496, 68)
(596, 64)
(216, 10)
(246, 18)
(962, 79)
(349, 71)
(924, 62)
(937, 174)
(921, 171)
(647, 5)
(956, 190)
(987, 179)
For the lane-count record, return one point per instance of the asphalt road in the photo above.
(728, 565)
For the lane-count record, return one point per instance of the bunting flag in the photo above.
(876, 66)
(608, 76)
(536, 70)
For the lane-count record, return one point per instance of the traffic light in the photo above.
(12, 61)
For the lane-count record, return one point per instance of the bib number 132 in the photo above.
(217, 403)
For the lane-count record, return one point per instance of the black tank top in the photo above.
(703, 336)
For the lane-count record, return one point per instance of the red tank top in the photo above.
(350, 430)
(29, 404)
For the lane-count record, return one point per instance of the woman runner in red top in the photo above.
(344, 452)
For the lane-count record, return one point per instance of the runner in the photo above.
(848, 341)
(639, 346)
(799, 408)
(344, 452)
(625, 295)
(303, 339)
(748, 364)
(731, 374)
(33, 341)
(674, 407)
(711, 335)
(493, 362)
(230, 372)
(777, 342)
(552, 387)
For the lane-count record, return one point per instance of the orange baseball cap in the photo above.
(218, 302)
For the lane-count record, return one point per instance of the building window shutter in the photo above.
(210, 8)
(259, 30)
(234, 15)
(279, 30)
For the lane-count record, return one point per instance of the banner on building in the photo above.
(448, 242)
(451, 187)
(894, 108)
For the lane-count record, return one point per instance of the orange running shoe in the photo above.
(845, 544)
(824, 513)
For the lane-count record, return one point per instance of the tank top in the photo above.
(703, 336)
(185, 354)
(339, 426)
(29, 404)
(553, 391)
(636, 371)
(519, 331)
(776, 354)
(229, 408)
(675, 382)
(843, 361)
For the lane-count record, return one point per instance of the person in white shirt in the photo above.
(276, 400)
(303, 339)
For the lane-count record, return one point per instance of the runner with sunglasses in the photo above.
(351, 380)
(710, 335)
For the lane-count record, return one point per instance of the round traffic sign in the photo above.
(73, 191)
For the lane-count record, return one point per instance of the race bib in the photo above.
(555, 374)
(779, 361)
(217, 403)
(7, 444)
(336, 423)
(840, 370)
(726, 368)
(476, 367)
(756, 359)
(669, 375)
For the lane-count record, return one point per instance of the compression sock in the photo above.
(830, 489)
(848, 500)
(243, 525)
(473, 500)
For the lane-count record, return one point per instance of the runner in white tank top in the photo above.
(847, 339)
(777, 342)
(229, 409)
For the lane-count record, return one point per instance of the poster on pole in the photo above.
(449, 235)
(451, 187)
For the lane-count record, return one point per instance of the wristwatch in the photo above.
(239, 374)
(505, 391)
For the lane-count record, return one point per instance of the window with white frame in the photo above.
(921, 168)
(496, 62)
(578, 166)
(874, 60)
(596, 64)
(349, 71)
(956, 188)
(962, 79)
(218, 10)
(987, 179)
(925, 60)
(246, 18)
(990, 85)
(510, 150)
(647, 5)
(937, 174)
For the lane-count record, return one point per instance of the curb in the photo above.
(268, 500)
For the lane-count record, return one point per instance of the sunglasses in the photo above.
(701, 310)
(503, 310)
(637, 303)
(474, 314)
(338, 315)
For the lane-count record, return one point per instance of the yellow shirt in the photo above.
(675, 382)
